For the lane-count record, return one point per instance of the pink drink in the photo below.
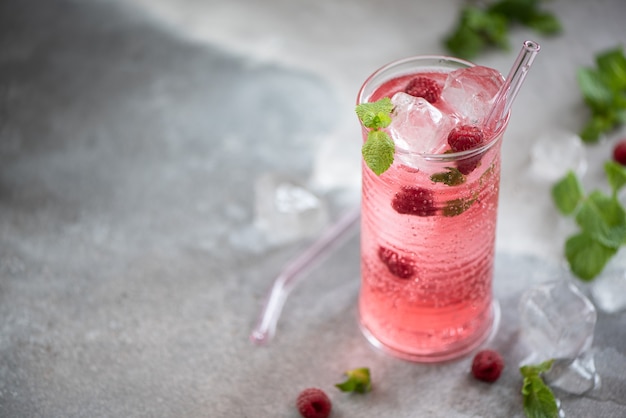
(427, 247)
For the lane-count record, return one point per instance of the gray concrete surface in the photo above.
(131, 132)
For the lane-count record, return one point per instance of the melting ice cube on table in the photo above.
(287, 211)
(609, 288)
(470, 92)
(558, 322)
(418, 126)
(555, 153)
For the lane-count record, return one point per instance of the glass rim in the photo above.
(494, 137)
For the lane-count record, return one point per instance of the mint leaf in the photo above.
(616, 175)
(375, 115)
(601, 218)
(545, 23)
(539, 401)
(378, 151)
(596, 92)
(457, 206)
(452, 177)
(481, 27)
(535, 369)
(477, 29)
(604, 91)
(596, 126)
(604, 219)
(586, 256)
(567, 193)
(612, 63)
(358, 380)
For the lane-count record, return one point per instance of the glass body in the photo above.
(426, 276)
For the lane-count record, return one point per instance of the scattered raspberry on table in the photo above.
(619, 152)
(313, 403)
(487, 366)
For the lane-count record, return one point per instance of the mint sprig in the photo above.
(481, 27)
(539, 401)
(600, 217)
(452, 177)
(358, 380)
(379, 149)
(604, 91)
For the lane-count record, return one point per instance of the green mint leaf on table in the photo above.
(567, 193)
(452, 177)
(358, 380)
(539, 401)
(379, 149)
(481, 27)
(616, 175)
(476, 30)
(587, 256)
(604, 91)
(601, 218)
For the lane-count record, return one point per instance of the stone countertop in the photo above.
(131, 272)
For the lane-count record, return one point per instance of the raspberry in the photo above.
(619, 152)
(412, 200)
(487, 366)
(463, 138)
(398, 266)
(313, 403)
(424, 87)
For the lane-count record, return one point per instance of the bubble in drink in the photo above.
(418, 126)
(470, 92)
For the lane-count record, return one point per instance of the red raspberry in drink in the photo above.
(398, 265)
(424, 87)
(414, 201)
(465, 138)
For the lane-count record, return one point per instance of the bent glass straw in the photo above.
(507, 93)
(266, 325)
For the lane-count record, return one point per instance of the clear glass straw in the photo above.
(513, 82)
(268, 318)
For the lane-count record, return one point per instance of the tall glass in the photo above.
(428, 236)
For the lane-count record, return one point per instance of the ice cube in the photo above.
(554, 153)
(470, 92)
(287, 211)
(609, 288)
(576, 376)
(557, 320)
(418, 126)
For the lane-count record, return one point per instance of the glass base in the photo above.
(454, 351)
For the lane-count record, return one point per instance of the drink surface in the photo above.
(428, 248)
